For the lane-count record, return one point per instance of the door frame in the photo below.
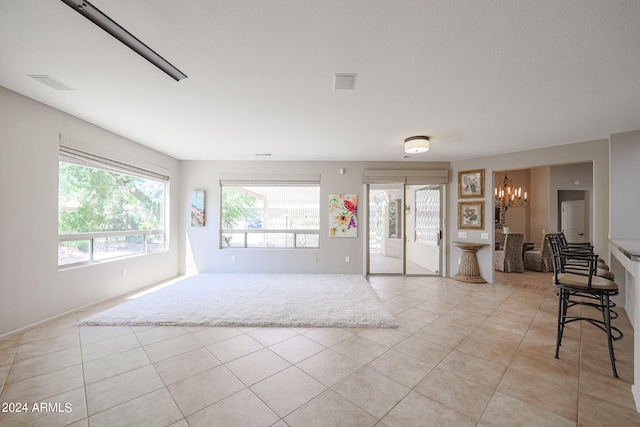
(570, 204)
(405, 215)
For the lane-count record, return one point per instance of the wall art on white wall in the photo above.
(197, 208)
(343, 215)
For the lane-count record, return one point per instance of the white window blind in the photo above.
(408, 176)
(83, 154)
(270, 180)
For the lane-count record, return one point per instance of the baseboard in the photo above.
(77, 309)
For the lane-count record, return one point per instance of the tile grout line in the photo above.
(84, 377)
(13, 360)
(512, 357)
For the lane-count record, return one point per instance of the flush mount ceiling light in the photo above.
(416, 144)
(94, 15)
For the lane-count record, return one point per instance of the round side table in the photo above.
(469, 271)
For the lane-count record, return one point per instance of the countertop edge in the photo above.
(629, 247)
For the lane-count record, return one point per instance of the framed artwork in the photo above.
(197, 208)
(471, 184)
(470, 215)
(343, 215)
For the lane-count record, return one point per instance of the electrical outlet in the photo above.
(462, 234)
(124, 272)
(484, 236)
(347, 259)
(233, 258)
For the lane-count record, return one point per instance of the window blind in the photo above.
(80, 153)
(408, 176)
(270, 180)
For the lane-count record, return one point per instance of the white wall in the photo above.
(625, 184)
(539, 214)
(203, 242)
(591, 151)
(562, 178)
(31, 287)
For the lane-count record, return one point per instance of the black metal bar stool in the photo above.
(577, 283)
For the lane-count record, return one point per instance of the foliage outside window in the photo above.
(395, 219)
(270, 216)
(104, 214)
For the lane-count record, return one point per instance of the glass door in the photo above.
(404, 229)
(386, 220)
(423, 225)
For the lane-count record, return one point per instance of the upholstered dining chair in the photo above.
(499, 238)
(582, 287)
(539, 260)
(509, 259)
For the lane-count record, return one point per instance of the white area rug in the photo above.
(290, 300)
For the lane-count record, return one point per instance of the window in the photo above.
(267, 215)
(107, 210)
(395, 220)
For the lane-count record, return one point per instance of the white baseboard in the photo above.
(77, 309)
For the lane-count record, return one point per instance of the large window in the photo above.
(258, 215)
(107, 211)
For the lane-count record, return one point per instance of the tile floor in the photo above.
(464, 355)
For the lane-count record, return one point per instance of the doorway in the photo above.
(573, 221)
(404, 223)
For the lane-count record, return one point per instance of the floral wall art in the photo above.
(343, 215)
(470, 215)
(471, 184)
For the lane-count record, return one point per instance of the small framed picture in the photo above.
(471, 184)
(470, 215)
(197, 208)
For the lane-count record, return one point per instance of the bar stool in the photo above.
(581, 286)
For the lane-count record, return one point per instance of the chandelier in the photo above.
(506, 195)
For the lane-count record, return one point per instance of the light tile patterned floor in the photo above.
(464, 355)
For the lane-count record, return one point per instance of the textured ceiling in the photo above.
(478, 77)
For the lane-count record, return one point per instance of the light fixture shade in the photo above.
(416, 144)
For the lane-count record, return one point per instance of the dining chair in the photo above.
(509, 259)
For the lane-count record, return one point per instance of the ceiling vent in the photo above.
(51, 82)
(344, 81)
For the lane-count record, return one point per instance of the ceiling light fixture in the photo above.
(94, 15)
(416, 144)
(506, 196)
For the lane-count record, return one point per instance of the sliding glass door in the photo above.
(404, 229)
(386, 218)
(423, 229)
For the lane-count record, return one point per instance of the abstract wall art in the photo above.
(197, 208)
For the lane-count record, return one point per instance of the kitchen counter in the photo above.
(627, 253)
(629, 247)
